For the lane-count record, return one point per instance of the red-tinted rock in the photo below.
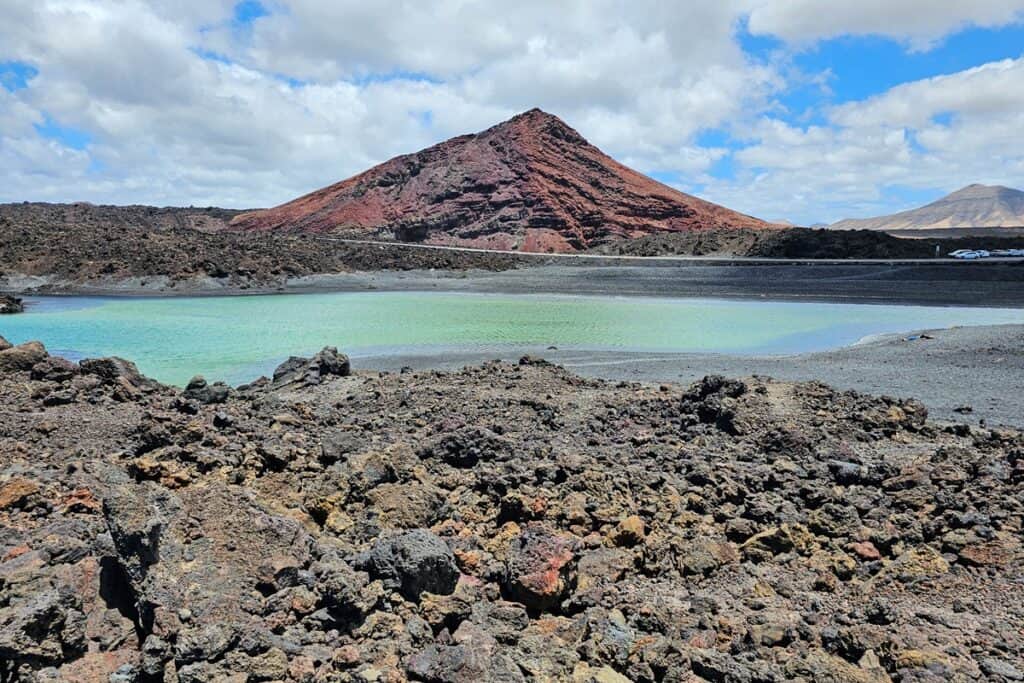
(540, 567)
(16, 492)
(866, 550)
(531, 183)
(997, 553)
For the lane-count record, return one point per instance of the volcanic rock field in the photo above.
(504, 522)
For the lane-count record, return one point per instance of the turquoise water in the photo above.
(238, 338)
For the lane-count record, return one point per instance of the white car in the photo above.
(965, 254)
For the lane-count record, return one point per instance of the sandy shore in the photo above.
(979, 367)
(943, 283)
(938, 284)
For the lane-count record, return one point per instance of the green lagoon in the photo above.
(236, 339)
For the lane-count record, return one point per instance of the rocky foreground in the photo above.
(505, 522)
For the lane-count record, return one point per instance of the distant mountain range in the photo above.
(975, 206)
(531, 183)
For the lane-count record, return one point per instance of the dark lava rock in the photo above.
(42, 629)
(412, 563)
(54, 369)
(467, 446)
(10, 305)
(472, 657)
(204, 553)
(311, 371)
(198, 390)
(119, 373)
(22, 356)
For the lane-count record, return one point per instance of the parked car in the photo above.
(966, 254)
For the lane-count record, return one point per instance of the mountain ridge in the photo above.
(531, 183)
(973, 206)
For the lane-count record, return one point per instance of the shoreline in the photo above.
(956, 368)
(986, 285)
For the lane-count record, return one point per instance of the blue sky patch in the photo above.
(425, 118)
(389, 76)
(862, 66)
(211, 56)
(903, 197)
(249, 11)
(667, 177)
(852, 68)
(16, 75)
(74, 138)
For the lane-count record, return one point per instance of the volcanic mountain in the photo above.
(975, 206)
(531, 183)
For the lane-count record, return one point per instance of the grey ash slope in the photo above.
(975, 206)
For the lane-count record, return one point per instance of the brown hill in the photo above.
(974, 206)
(530, 183)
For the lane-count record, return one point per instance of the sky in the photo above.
(801, 110)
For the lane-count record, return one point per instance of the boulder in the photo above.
(467, 446)
(199, 390)
(786, 538)
(120, 374)
(601, 567)
(818, 665)
(629, 531)
(196, 561)
(474, 656)
(43, 629)
(17, 492)
(407, 506)
(310, 371)
(412, 563)
(54, 369)
(540, 567)
(11, 304)
(1001, 669)
(584, 673)
(22, 357)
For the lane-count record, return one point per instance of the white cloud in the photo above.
(918, 22)
(993, 89)
(940, 133)
(185, 106)
(170, 126)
